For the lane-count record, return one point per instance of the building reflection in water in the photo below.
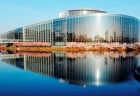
(88, 68)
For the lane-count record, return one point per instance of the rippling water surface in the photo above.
(70, 74)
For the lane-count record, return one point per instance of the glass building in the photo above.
(82, 25)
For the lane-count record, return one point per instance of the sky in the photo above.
(19, 13)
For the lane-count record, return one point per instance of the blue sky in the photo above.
(18, 13)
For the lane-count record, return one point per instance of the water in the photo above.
(70, 74)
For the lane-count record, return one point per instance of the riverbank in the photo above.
(65, 49)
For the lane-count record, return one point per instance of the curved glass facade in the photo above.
(91, 26)
(97, 28)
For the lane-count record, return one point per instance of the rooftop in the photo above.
(79, 12)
